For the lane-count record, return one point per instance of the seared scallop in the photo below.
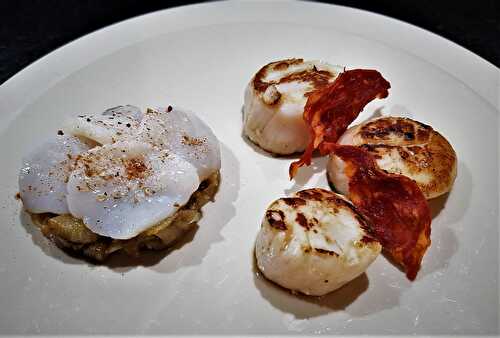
(275, 99)
(402, 146)
(314, 242)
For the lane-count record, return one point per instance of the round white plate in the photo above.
(201, 57)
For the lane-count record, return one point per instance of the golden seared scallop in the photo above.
(275, 99)
(314, 242)
(407, 147)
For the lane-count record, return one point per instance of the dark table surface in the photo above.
(31, 29)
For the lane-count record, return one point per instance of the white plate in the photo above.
(201, 57)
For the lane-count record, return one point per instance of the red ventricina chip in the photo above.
(330, 110)
(399, 214)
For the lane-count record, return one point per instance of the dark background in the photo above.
(31, 29)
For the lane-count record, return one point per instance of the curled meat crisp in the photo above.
(399, 214)
(331, 109)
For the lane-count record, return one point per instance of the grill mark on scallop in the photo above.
(302, 220)
(424, 154)
(327, 252)
(381, 129)
(317, 78)
(313, 194)
(294, 201)
(324, 246)
(276, 219)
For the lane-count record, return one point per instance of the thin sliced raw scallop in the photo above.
(121, 189)
(184, 134)
(45, 171)
(112, 125)
(127, 110)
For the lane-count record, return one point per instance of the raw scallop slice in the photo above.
(112, 125)
(184, 134)
(45, 171)
(120, 190)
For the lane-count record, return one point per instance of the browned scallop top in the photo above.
(395, 131)
(304, 209)
(423, 150)
(317, 78)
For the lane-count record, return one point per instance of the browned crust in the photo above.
(315, 194)
(294, 201)
(302, 220)
(258, 80)
(317, 78)
(327, 252)
(276, 218)
(408, 131)
(422, 148)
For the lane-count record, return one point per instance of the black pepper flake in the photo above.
(169, 109)
(117, 174)
(128, 125)
(119, 122)
(88, 119)
(60, 132)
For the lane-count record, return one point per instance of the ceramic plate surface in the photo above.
(201, 57)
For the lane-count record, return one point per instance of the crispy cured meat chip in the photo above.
(330, 110)
(399, 214)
